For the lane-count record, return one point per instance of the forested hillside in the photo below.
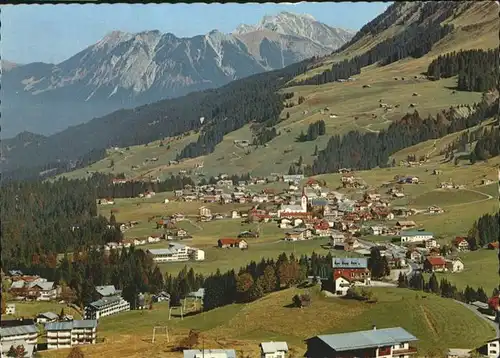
(225, 109)
(477, 70)
(366, 151)
(415, 41)
(487, 146)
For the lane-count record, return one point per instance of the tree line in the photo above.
(443, 288)
(484, 231)
(314, 130)
(487, 146)
(415, 41)
(370, 150)
(105, 188)
(477, 70)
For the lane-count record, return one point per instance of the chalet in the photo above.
(178, 193)
(372, 197)
(161, 297)
(431, 243)
(408, 180)
(180, 233)
(412, 236)
(106, 201)
(153, 239)
(435, 264)
(405, 225)
(461, 244)
(46, 317)
(228, 243)
(235, 214)
(377, 230)
(336, 238)
(386, 342)
(273, 349)
(490, 349)
(398, 195)
(342, 285)
(248, 235)
(354, 269)
(434, 210)
(204, 211)
(37, 288)
(454, 265)
(303, 234)
(493, 245)
(107, 291)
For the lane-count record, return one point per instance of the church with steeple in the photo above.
(289, 210)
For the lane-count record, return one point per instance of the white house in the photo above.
(376, 230)
(455, 265)
(342, 285)
(10, 309)
(196, 254)
(491, 349)
(28, 348)
(44, 291)
(209, 353)
(46, 317)
(273, 349)
(68, 334)
(411, 236)
(106, 306)
(431, 243)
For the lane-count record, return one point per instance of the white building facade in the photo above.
(69, 334)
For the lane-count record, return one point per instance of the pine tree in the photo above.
(434, 284)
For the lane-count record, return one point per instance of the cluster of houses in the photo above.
(26, 287)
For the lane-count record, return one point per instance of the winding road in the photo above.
(479, 314)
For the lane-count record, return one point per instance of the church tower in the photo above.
(303, 201)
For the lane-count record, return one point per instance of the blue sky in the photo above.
(53, 33)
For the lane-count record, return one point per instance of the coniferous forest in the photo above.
(487, 146)
(484, 231)
(416, 41)
(477, 70)
(314, 130)
(369, 150)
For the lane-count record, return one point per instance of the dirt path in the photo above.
(428, 320)
(488, 197)
(434, 147)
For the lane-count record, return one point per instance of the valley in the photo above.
(364, 202)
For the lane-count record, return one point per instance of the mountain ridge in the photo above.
(125, 70)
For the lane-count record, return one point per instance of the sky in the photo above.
(53, 33)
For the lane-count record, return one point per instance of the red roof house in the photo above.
(435, 264)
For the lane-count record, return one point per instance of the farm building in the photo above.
(386, 342)
(228, 243)
(273, 349)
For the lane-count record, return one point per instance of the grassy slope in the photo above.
(438, 323)
(477, 28)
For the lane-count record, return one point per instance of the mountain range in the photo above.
(125, 70)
